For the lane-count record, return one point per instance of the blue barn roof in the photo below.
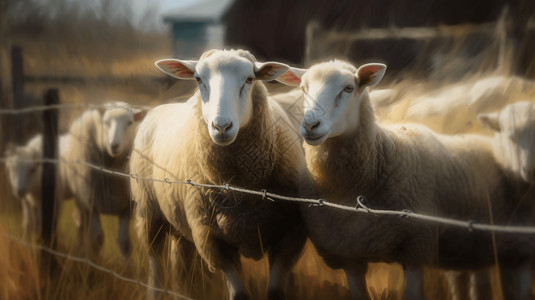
(203, 11)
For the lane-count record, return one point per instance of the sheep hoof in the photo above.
(275, 294)
(240, 296)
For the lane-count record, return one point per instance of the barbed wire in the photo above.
(360, 206)
(16, 111)
(93, 265)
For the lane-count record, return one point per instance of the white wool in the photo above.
(401, 167)
(453, 109)
(93, 136)
(25, 179)
(260, 150)
(514, 138)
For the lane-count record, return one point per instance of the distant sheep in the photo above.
(452, 109)
(24, 170)
(514, 139)
(103, 137)
(228, 132)
(402, 167)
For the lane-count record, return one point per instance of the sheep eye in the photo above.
(129, 123)
(249, 80)
(198, 79)
(349, 89)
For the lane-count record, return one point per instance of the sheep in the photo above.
(228, 132)
(453, 109)
(102, 137)
(402, 167)
(514, 142)
(24, 171)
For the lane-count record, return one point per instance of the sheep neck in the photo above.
(355, 159)
(250, 159)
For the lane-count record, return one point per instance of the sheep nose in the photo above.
(222, 128)
(311, 126)
(114, 147)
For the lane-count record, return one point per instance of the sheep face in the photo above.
(515, 137)
(24, 175)
(118, 128)
(226, 80)
(333, 91)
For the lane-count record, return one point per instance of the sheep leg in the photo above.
(356, 279)
(96, 235)
(414, 287)
(224, 256)
(234, 283)
(123, 236)
(516, 281)
(27, 226)
(479, 287)
(80, 218)
(221, 255)
(150, 230)
(282, 257)
(156, 246)
(181, 260)
(458, 283)
(217, 253)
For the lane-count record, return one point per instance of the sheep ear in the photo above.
(370, 74)
(139, 114)
(292, 77)
(269, 70)
(181, 69)
(490, 120)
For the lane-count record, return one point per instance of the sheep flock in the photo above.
(464, 151)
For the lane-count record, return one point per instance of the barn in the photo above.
(196, 26)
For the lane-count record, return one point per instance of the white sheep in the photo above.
(24, 171)
(452, 109)
(402, 167)
(514, 139)
(102, 137)
(228, 132)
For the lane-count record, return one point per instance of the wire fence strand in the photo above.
(93, 265)
(17, 111)
(360, 206)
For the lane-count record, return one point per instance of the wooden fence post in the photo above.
(17, 84)
(50, 151)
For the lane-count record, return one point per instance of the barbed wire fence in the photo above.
(359, 207)
(93, 265)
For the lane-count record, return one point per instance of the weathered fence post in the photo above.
(17, 84)
(50, 151)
